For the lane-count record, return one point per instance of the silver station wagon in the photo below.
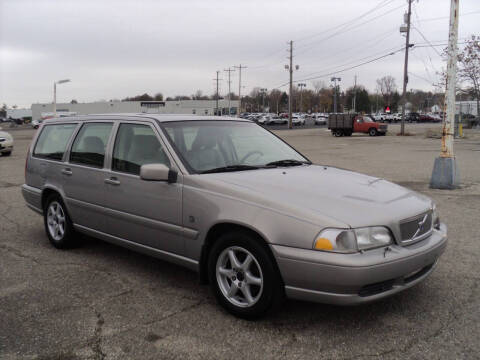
(231, 200)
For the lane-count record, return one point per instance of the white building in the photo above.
(18, 113)
(466, 107)
(199, 107)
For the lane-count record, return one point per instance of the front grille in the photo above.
(383, 127)
(417, 227)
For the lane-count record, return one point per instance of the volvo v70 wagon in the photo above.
(227, 198)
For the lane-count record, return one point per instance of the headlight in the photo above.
(435, 218)
(352, 240)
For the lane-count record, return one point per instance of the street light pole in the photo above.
(334, 79)
(301, 85)
(55, 94)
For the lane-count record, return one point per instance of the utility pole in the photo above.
(240, 67)
(229, 70)
(334, 79)
(216, 95)
(301, 85)
(290, 92)
(405, 67)
(355, 95)
(445, 173)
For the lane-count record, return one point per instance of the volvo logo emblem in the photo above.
(420, 226)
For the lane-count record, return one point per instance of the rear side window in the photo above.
(90, 144)
(53, 141)
(137, 145)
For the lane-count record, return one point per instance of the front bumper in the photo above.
(6, 146)
(348, 279)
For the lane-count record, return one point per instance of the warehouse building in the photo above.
(198, 107)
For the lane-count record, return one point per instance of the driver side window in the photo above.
(137, 145)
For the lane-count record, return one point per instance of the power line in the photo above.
(345, 69)
(376, 7)
(447, 17)
(307, 47)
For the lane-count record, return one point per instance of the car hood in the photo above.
(346, 196)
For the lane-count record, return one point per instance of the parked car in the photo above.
(36, 123)
(320, 120)
(6, 143)
(227, 198)
(412, 117)
(298, 121)
(347, 124)
(277, 120)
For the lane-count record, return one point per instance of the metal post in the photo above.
(290, 91)
(301, 85)
(405, 68)
(445, 173)
(334, 79)
(54, 99)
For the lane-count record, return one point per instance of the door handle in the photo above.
(112, 181)
(67, 171)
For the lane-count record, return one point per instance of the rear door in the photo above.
(84, 173)
(145, 212)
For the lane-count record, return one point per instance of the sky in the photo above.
(114, 49)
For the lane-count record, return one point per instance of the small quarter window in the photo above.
(90, 144)
(53, 141)
(137, 145)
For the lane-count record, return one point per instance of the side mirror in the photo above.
(157, 172)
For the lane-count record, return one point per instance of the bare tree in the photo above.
(274, 99)
(387, 87)
(318, 85)
(469, 66)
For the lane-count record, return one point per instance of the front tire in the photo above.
(372, 132)
(7, 153)
(243, 276)
(58, 225)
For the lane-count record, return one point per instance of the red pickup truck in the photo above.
(346, 124)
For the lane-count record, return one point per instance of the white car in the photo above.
(6, 143)
(264, 120)
(297, 121)
(276, 120)
(320, 120)
(36, 123)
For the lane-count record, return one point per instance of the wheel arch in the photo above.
(214, 234)
(49, 190)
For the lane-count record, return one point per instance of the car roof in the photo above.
(145, 116)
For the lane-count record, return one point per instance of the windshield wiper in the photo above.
(288, 162)
(230, 168)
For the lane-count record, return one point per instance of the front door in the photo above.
(145, 212)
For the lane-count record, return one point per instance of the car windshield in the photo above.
(367, 119)
(228, 146)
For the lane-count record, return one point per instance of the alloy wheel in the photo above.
(239, 276)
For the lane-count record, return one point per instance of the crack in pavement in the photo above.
(96, 341)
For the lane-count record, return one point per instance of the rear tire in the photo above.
(372, 132)
(8, 153)
(243, 277)
(58, 226)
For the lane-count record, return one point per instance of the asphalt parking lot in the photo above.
(100, 301)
